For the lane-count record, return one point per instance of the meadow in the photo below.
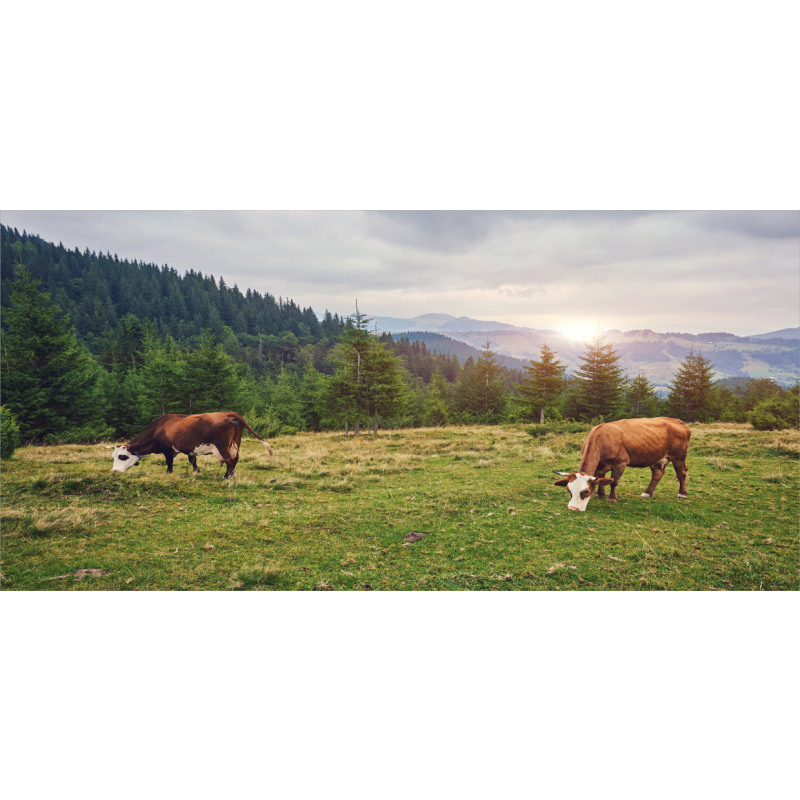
(458, 508)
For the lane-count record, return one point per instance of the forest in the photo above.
(94, 347)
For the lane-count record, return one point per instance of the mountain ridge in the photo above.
(655, 355)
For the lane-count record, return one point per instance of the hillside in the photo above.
(655, 355)
(100, 292)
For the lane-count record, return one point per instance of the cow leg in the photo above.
(229, 457)
(680, 471)
(616, 474)
(193, 462)
(657, 470)
(231, 453)
(231, 463)
(601, 490)
(170, 456)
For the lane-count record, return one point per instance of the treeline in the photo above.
(60, 384)
(98, 292)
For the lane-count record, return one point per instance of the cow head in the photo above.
(123, 459)
(580, 487)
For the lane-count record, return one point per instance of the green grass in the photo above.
(330, 512)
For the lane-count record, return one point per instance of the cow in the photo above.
(613, 446)
(218, 434)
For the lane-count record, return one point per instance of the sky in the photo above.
(572, 271)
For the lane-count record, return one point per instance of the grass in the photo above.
(329, 512)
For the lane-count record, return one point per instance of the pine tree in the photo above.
(438, 408)
(368, 378)
(161, 375)
(311, 398)
(210, 381)
(640, 398)
(480, 393)
(50, 383)
(600, 381)
(544, 383)
(691, 396)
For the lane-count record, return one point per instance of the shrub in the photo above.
(558, 426)
(775, 414)
(9, 433)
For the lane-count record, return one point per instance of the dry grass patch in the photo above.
(62, 521)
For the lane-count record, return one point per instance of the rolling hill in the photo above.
(657, 356)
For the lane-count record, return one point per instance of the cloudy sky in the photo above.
(733, 271)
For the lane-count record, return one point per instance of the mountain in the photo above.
(439, 323)
(657, 356)
(784, 333)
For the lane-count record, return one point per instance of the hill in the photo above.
(99, 290)
(657, 356)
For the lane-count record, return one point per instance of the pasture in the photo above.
(331, 512)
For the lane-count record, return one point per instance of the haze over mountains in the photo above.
(657, 356)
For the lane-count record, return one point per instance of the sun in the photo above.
(579, 330)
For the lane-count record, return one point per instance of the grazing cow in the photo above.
(613, 446)
(218, 434)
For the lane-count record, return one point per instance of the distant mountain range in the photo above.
(656, 355)
(440, 323)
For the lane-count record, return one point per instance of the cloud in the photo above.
(692, 271)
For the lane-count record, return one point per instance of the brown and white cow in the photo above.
(218, 434)
(613, 446)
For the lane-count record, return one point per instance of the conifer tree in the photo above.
(368, 379)
(543, 384)
(50, 382)
(210, 381)
(311, 398)
(600, 381)
(640, 398)
(438, 407)
(161, 375)
(480, 393)
(691, 396)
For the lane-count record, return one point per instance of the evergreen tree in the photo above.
(691, 396)
(438, 407)
(285, 400)
(9, 433)
(210, 380)
(368, 379)
(161, 376)
(544, 383)
(600, 381)
(311, 398)
(126, 402)
(640, 398)
(480, 394)
(51, 384)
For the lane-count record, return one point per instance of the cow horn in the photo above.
(561, 473)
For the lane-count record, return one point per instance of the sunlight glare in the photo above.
(579, 331)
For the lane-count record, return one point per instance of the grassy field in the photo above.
(331, 512)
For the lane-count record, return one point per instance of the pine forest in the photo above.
(94, 347)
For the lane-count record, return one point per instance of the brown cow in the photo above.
(218, 434)
(613, 446)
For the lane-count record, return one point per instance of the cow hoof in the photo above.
(683, 496)
(611, 500)
(644, 494)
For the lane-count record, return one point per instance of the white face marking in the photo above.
(580, 488)
(123, 459)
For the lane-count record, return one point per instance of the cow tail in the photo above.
(263, 441)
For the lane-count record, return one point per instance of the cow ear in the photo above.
(563, 481)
